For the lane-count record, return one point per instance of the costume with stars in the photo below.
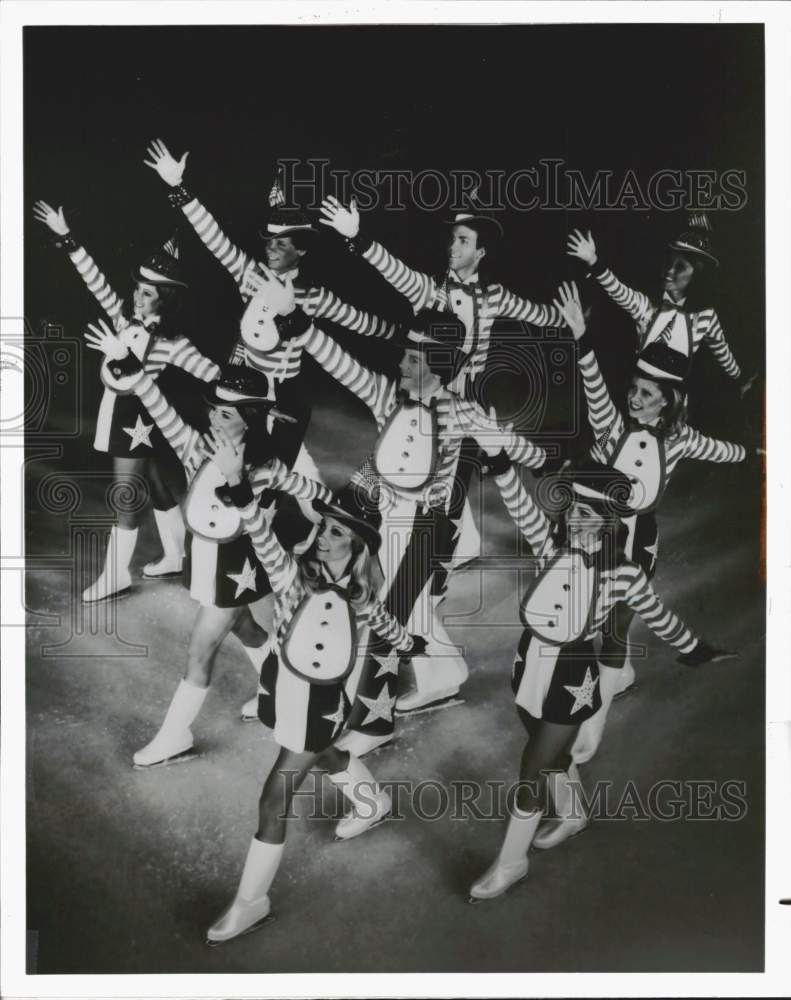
(221, 568)
(281, 362)
(476, 304)
(669, 321)
(555, 674)
(319, 641)
(422, 478)
(123, 428)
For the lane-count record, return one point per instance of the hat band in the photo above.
(649, 369)
(588, 491)
(275, 228)
(232, 396)
(147, 273)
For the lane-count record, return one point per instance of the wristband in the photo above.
(238, 496)
(496, 465)
(357, 244)
(294, 324)
(584, 345)
(597, 269)
(179, 196)
(418, 647)
(129, 365)
(65, 242)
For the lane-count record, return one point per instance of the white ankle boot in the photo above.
(511, 865)
(570, 818)
(170, 525)
(115, 578)
(439, 674)
(370, 804)
(359, 744)
(591, 731)
(250, 906)
(175, 736)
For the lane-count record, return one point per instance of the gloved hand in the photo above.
(704, 653)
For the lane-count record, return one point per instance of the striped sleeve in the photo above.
(637, 304)
(708, 449)
(182, 438)
(288, 481)
(419, 288)
(187, 357)
(367, 386)
(389, 628)
(525, 512)
(512, 306)
(208, 229)
(641, 598)
(491, 436)
(718, 345)
(324, 304)
(280, 566)
(99, 286)
(602, 414)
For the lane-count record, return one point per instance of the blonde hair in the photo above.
(674, 412)
(361, 567)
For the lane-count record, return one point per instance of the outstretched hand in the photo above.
(228, 457)
(582, 245)
(101, 338)
(55, 220)
(570, 307)
(345, 221)
(167, 166)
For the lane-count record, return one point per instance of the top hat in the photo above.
(238, 386)
(603, 487)
(696, 238)
(283, 221)
(432, 328)
(162, 267)
(473, 215)
(357, 506)
(661, 362)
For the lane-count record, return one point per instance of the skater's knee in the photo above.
(249, 632)
(333, 760)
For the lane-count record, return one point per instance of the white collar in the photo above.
(472, 280)
(667, 300)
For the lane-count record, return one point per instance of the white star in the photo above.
(379, 708)
(140, 433)
(456, 522)
(388, 664)
(337, 717)
(652, 550)
(245, 580)
(582, 695)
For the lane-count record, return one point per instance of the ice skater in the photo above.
(327, 618)
(223, 573)
(148, 325)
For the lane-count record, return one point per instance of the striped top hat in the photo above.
(661, 362)
(283, 221)
(473, 214)
(603, 487)
(162, 267)
(357, 506)
(696, 238)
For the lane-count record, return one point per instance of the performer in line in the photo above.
(685, 317)
(647, 444)
(287, 238)
(148, 325)
(582, 573)
(458, 291)
(223, 573)
(423, 482)
(327, 617)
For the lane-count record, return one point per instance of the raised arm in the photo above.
(718, 345)
(123, 373)
(419, 288)
(288, 481)
(490, 435)
(511, 306)
(531, 521)
(86, 267)
(708, 449)
(202, 221)
(186, 356)
(637, 304)
(321, 303)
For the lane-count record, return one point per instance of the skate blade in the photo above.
(162, 576)
(254, 927)
(373, 826)
(474, 900)
(248, 718)
(179, 758)
(436, 706)
(106, 600)
(629, 690)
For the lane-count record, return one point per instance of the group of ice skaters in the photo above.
(357, 577)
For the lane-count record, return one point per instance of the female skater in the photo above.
(685, 318)
(646, 445)
(223, 573)
(582, 573)
(148, 325)
(327, 617)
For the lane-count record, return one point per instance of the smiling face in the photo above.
(415, 372)
(146, 299)
(646, 400)
(227, 419)
(281, 254)
(584, 524)
(677, 275)
(334, 541)
(464, 254)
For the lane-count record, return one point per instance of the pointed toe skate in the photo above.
(242, 917)
(364, 819)
(554, 831)
(164, 750)
(413, 700)
(497, 880)
(249, 711)
(165, 568)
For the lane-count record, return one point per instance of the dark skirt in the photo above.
(542, 676)
(128, 431)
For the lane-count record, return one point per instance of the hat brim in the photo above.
(687, 248)
(473, 220)
(647, 370)
(152, 278)
(367, 532)
(265, 234)
(210, 396)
